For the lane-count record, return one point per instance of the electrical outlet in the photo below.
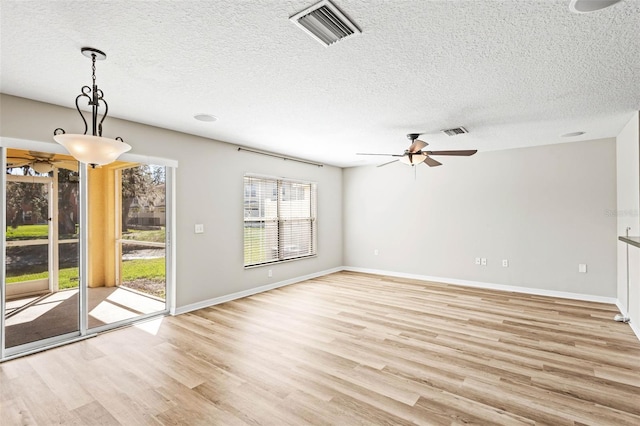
(199, 228)
(477, 260)
(376, 252)
(483, 261)
(505, 263)
(270, 273)
(582, 268)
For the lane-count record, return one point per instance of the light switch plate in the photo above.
(199, 228)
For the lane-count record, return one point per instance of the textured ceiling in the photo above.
(514, 73)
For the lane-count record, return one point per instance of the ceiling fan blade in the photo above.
(17, 162)
(464, 153)
(417, 145)
(384, 164)
(386, 155)
(431, 162)
(66, 164)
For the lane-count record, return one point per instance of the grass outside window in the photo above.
(147, 235)
(67, 278)
(27, 232)
(151, 269)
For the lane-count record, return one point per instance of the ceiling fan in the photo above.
(415, 155)
(41, 162)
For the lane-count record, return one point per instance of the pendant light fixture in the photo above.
(92, 149)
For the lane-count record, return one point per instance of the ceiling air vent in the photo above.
(455, 131)
(325, 22)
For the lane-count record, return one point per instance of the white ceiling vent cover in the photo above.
(325, 22)
(455, 131)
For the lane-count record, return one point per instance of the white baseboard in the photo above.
(489, 286)
(634, 327)
(249, 292)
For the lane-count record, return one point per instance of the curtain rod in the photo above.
(280, 156)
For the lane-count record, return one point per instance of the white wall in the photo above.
(209, 191)
(628, 215)
(545, 209)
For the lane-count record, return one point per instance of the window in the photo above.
(279, 220)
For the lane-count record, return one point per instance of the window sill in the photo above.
(277, 262)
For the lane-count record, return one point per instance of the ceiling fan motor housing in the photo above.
(413, 136)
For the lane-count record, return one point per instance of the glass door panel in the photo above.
(143, 232)
(139, 266)
(39, 301)
(68, 230)
(27, 236)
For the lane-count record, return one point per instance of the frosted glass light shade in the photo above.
(94, 150)
(414, 159)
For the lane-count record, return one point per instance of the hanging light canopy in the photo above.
(92, 149)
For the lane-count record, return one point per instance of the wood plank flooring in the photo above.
(344, 349)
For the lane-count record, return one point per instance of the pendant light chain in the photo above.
(97, 130)
(95, 101)
(93, 68)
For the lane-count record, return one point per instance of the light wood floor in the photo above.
(344, 349)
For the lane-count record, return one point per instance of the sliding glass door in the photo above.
(41, 258)
(134, 262)
(85, 250)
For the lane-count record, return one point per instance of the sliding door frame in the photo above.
(3, 258)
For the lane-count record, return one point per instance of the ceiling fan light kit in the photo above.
(93, 149)
(42, 167)
(413, 159)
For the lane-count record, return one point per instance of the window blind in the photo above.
(279, 220)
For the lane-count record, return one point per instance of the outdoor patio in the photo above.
(40, 317)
